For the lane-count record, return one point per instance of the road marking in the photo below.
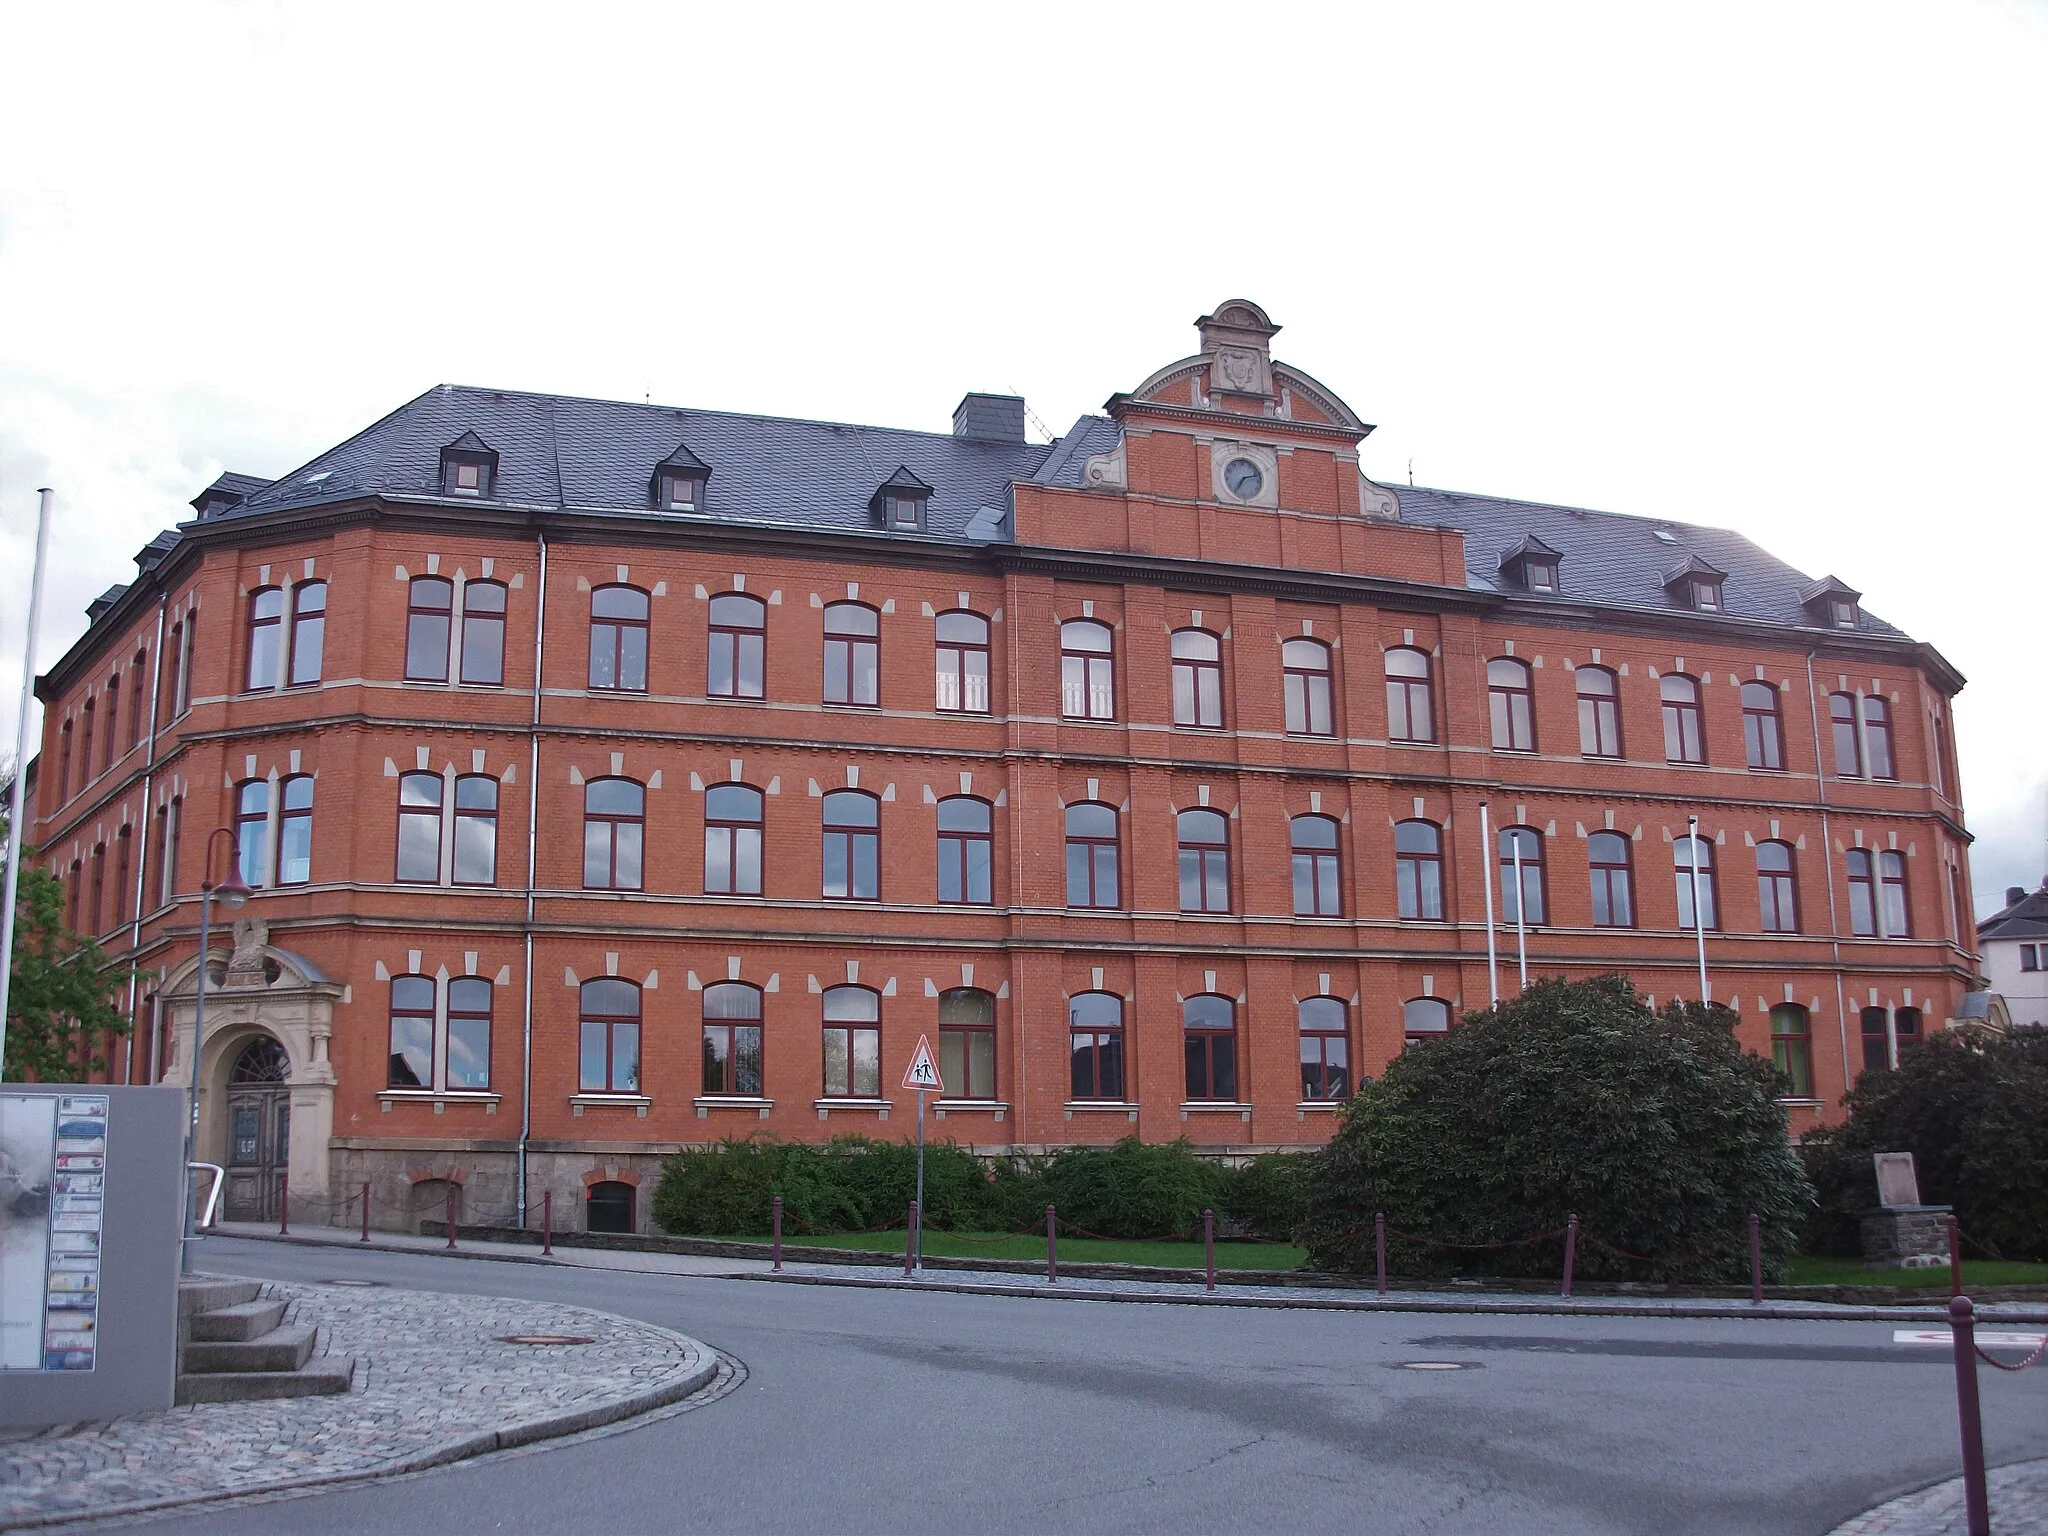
(1985, 1337)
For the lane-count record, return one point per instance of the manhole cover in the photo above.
(1432, 1365)
(353, 1282)
(544, 1338)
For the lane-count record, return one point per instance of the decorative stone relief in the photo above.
(1377, 501)
(1106, 471)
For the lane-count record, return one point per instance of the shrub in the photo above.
(1268, 1196)
(1972, 1108)
(850, 1184)
(1659, 1131)
(1131, 1189)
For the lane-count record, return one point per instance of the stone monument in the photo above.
(1901, 1233)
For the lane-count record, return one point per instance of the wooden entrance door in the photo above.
(259, 1132)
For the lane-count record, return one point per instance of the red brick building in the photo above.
(615, 777)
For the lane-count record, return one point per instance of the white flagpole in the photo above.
(1492, 962)
(1699, 916)
(1521, 915)
(15, 837)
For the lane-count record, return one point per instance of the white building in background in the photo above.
(2014, 943)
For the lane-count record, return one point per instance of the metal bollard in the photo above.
(1209, 1245)
(910, 1242)
(547, 1223)
(1379, 1243)
(366, 1215)
(1756, 1261)
(284, 1210)
(451, 1213)
(1571, 1251)
(1976, 1501)
(1955, 1261)
(1052, 1246)
(775, 1223)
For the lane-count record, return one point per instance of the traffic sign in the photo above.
(923, 1072)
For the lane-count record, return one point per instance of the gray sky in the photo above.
(1776, 267)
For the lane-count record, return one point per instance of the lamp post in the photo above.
(232, 892)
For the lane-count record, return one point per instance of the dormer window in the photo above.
(1697, 585)
(1841, 613)
(1834, 603)
(1706, 595)
(469, 466)
(1531, 564)
(678, 482)
(1541, 575)
(900, 502)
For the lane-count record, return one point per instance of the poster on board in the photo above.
(53, 1162)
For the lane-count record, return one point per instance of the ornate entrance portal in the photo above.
(259, 1130)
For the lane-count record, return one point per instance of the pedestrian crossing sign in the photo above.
(923, 1073)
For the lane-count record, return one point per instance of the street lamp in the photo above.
(231, 893)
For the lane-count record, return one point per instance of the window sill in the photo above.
(1816, 1105)
(639, 1102)
(390, 1096)
(1309, 1107)
(971, 1107)
(1102, 1107)
(1215, 1107)
(710, 1101)
(824, 1107)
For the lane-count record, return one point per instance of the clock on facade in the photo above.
(1244, 478)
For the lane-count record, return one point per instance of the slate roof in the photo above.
(2026, 918)
(599, 455)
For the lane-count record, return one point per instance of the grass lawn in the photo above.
(1072, 1250)
(1806, 1271)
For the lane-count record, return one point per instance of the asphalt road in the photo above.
(892, 1412)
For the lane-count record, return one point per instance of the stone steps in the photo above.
(234, 1347)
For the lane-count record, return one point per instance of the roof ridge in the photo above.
(1564, 506)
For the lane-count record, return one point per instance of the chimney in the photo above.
(2014, 895)
(990, 418)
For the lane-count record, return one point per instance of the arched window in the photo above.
(1862, 893)
(126, 846)
(732, 840)
(1317, 892)
(1095, 1038)
(1877, 737)
(1684, 731)
(967, 1043)
(853, 654)
(1521, 847)
(99, 891)
(112, 696)
(1092, 856)
(469, 1035)
(1209, 1027)
(64, 764)
(1777, 891)
(188, 662)
(295, 830)
(1425, 1018)
(1891, 879)
(169, 821)
(85, 747)
(419, 828)
(1410, 716)
(138, 699)
(738, 664)
(1842, 728)
(1792, 1047)
(608, 1206)
(963, 662)
(853, 846)
(1763, 738)
(429, 612)
(172, 659)
(309, 631)
(483, 633)
(853, 1043)
(614, 834)
(266, 640)
(1687, 855)
(1305, 685)
(966, 850)
(732, 1040)
(1204, 844)
(1087, 671)
(1614, 897)
(618, 639)
(476, 829)
(1906, 1028)
(608, 1053)
(1599, 712)
(1325, 1050)
(261, 1061)
(1511, 700)
(1197, 678)
(252, 818)
(412, 1032)
(1877, 1041)
(1419, 870)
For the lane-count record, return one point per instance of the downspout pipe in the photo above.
(1827, 856)
(540, 632)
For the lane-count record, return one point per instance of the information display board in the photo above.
(53, 1169)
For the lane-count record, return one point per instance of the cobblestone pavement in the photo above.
(2018, 1500)
(434, 1383)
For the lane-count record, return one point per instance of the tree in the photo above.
(1971, 1105)
(59, 1017)
(1659, 1131)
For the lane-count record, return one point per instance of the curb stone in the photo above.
(2018, 1498)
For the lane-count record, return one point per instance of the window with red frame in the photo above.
(266, 637)
(1763, 737)
(1317, 890)
(1511, 702)
(1204, 848)
(1325, 1050)
(1209, 1032)
(1305, 688)
(309, 632)
(1410, 714)
(1197, 679)
(1776, 889)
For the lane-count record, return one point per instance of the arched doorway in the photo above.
(259, 1130)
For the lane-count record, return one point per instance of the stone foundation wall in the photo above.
(1896, 1233)
(408, 1186)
